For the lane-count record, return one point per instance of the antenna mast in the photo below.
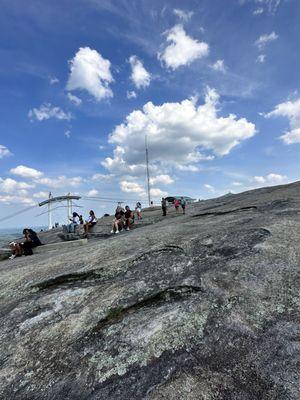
(147, 169)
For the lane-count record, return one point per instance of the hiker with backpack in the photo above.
(183, 204)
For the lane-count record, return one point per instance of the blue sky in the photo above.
(214, 87)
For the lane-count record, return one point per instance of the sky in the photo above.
(212, 84)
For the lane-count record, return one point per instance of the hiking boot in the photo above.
(127, 229)
(112, 231)
(117, 231)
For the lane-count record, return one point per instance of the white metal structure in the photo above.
(68, 198)
(147, 169)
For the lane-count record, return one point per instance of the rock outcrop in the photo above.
(202, 306)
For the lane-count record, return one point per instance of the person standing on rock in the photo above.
(138, 209)
(176, 204)
(183, 204)
(164, 206)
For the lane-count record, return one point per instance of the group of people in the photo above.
(25, 247)
(177, 203)
(77, 219)
(124, 218)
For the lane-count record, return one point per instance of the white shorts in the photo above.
(138, 210)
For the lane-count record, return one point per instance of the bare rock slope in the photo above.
(202, 306)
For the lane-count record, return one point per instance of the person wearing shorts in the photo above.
(92, 220)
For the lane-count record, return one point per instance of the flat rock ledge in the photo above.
(203, 306)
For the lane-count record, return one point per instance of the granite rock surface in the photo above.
(199, 306)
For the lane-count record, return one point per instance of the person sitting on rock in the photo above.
(30, 241)
(129, 218)
(92, 220)
(118, 221)
(74, 221)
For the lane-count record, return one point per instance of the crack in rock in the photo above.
(170, 294)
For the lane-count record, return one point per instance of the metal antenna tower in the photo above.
(147, 169)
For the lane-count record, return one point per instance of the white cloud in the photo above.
(47, 111)
(219, 66)
(53, 80)
(258, 11)
(60, 182)
(209, 187)
(237, 184)
(270, 179)
(68, 133)
(41, 195)
(102, 177)
(163, 179)
(184, 15)
(4, 152)
(9, 185)
(132, 187)
(90, 72)
(263, 40)
(156, 192)
(16, 199)
(131, 94)
(261, 58)
(92, 192)
(290, 110)
(182, 49)
(139, 75)
(74, 99)
(26, 172)
(177, 134)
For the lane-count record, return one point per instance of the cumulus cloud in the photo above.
(290, 110)
(178, 134)
(4, 152)
(92, 192)
(26, 172)
(163, 179)
(47, 111)
(74, 99)
(132, 187)
(102, 177)
(131, 94)
(156, 192)
(219, 66)
(181, 49)
(9, 185)
(91, 72)
(139, 75)
(263, 40)
(16, 199)
(41, 195)
(270, 179)
(184, 15)
(60, 182)
(209, 187)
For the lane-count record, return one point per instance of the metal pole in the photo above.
(49, 213)
(147, 169)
